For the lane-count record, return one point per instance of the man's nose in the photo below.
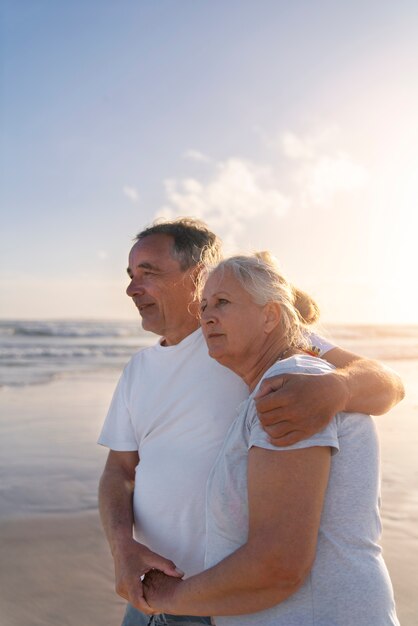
(134, 288)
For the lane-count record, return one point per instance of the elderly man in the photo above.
(173, 406)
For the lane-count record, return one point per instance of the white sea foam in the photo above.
(38, 351)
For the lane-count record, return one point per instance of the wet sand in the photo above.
(56, 569)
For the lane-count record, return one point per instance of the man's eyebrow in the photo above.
(144, 265)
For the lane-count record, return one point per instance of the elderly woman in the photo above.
(292, 532)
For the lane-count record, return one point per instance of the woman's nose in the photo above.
(206, 316)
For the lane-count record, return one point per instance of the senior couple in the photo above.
(242, 481)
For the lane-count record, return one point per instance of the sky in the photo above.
(285, 126)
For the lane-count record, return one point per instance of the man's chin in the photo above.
(149, 326)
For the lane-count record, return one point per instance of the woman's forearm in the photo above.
(245, 582)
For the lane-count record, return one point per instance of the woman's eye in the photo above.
(223, 301)
(202, 307)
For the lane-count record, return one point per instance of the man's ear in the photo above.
(196, 271)
(195, 276)
(272, 316)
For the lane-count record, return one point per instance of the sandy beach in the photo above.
(56, 567)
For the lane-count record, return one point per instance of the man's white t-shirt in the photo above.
(174, 405)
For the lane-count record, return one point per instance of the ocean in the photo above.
(36, 352)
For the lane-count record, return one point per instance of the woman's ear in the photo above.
(272, 316)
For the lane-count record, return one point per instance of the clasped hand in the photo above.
(159, 589)
(135, 561)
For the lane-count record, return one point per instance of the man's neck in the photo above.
(174, 337)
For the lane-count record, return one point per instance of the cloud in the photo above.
(238, 192)
(330, 176)
(131, 193)
(195, 155)
(308, 146)
(296, 148)
(322, 174)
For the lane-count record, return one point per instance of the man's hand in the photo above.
(132, 562)
(159, 589)
(292, 407)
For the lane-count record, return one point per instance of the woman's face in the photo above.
(232, 323)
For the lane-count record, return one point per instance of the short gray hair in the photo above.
(193, 242)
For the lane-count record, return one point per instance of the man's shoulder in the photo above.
(141, 356)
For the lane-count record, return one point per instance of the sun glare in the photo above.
(398, 230)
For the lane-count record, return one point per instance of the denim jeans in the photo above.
(133, 617)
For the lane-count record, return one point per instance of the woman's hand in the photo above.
(159, 590)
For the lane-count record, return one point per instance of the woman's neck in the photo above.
(274, 349)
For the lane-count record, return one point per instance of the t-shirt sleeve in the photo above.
(317, 345)
(258, 436)
(117, 432)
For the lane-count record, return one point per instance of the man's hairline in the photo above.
(173, 253)
(174, 257)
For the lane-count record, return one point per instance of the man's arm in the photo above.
(131, 559)
(292, 407)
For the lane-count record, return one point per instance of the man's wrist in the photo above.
(122, 545)
(342, 389)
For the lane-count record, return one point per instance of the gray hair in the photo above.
(193, 242)
(259, 274)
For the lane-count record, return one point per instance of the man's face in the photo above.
(161, 290)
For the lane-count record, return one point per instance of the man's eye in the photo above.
(223, 301)
(203, 307)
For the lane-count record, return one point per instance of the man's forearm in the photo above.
(132, 559)
(371, 387)
(115, 506)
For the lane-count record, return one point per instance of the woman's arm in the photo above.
(286, 492)
(292, 407)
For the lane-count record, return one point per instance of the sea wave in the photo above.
(20, 353)
(34, 352)
(72, 330)
(37, 351)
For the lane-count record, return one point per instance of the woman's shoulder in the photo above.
(299, 364)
